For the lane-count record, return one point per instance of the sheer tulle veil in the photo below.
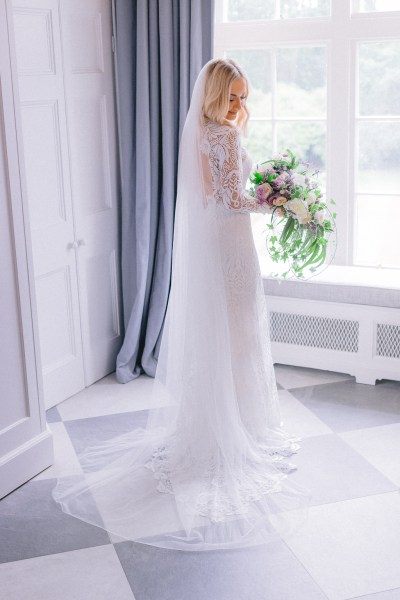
(192, 478)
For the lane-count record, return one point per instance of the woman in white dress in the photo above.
(210, 469)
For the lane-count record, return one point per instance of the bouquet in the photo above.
(301, 223)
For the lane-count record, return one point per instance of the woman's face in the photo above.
(236, 99)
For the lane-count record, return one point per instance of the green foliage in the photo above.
(291, 9)
(301, 90)
(256, 178)
(245, 10)
(379, 78)
(304, 67)
(300, 246)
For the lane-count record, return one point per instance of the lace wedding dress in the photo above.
(210, 470)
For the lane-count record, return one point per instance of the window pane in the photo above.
(259, 140)
(257, 66)
(291, 9)
(377, 219)
(378, 158)
(306, 140)
(379, 78)
(364, 6)
(301, 82)
(250, 10)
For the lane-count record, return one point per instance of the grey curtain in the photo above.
(161, 45)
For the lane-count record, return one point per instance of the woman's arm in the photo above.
(233, 194)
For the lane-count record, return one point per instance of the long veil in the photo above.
(193, 478)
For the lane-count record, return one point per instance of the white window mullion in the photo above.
(274, 83)
(277, 9)
(258, 34)
(339, 149)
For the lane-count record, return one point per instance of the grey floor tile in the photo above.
(334, 471)
(346, 405)
(32, 524)
(52, 415)
(90, 431)
(88, 574)
(266, 572)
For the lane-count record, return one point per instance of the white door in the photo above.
(65, 74)
(45, 140)
(91, 113)
(25, 441)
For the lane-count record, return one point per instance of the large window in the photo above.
(325, 82)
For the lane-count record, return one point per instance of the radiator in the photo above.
(361, 340)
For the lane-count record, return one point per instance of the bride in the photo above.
(210, 470)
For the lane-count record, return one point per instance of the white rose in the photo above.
(299, 208)
(311, 198)
(319, 216)
(299, 179)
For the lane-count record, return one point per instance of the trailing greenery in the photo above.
(301, 223)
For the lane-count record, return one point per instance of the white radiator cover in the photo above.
(361, 340)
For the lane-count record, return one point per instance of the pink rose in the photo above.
(280, 200)
(263, 191)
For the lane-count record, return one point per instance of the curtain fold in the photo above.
(161, 45)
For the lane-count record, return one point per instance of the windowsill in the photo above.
(347, 284)
(350, 275)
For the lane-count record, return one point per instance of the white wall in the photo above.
(25, 442)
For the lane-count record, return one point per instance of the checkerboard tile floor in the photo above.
(349, 548)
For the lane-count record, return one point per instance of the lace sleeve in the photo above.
(233, 194)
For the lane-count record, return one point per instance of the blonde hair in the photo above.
(220, 75)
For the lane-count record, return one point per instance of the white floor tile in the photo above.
(294, 377)
(89, 574)
(386, 595)
(352, 548)
(380, 446)
(107, 397)
(299, 420)
(65, 459)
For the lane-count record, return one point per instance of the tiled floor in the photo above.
(350, 547)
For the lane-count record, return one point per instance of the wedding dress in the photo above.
(210, 470)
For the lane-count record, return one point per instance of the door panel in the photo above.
(45, 140)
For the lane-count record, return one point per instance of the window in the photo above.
(367, 6)
(325, 82)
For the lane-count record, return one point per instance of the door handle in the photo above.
(75, 244)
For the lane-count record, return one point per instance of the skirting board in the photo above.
(25, 462)
(360, 340)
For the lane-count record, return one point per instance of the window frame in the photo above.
(340, 33)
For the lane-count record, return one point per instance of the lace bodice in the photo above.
(226, 167)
